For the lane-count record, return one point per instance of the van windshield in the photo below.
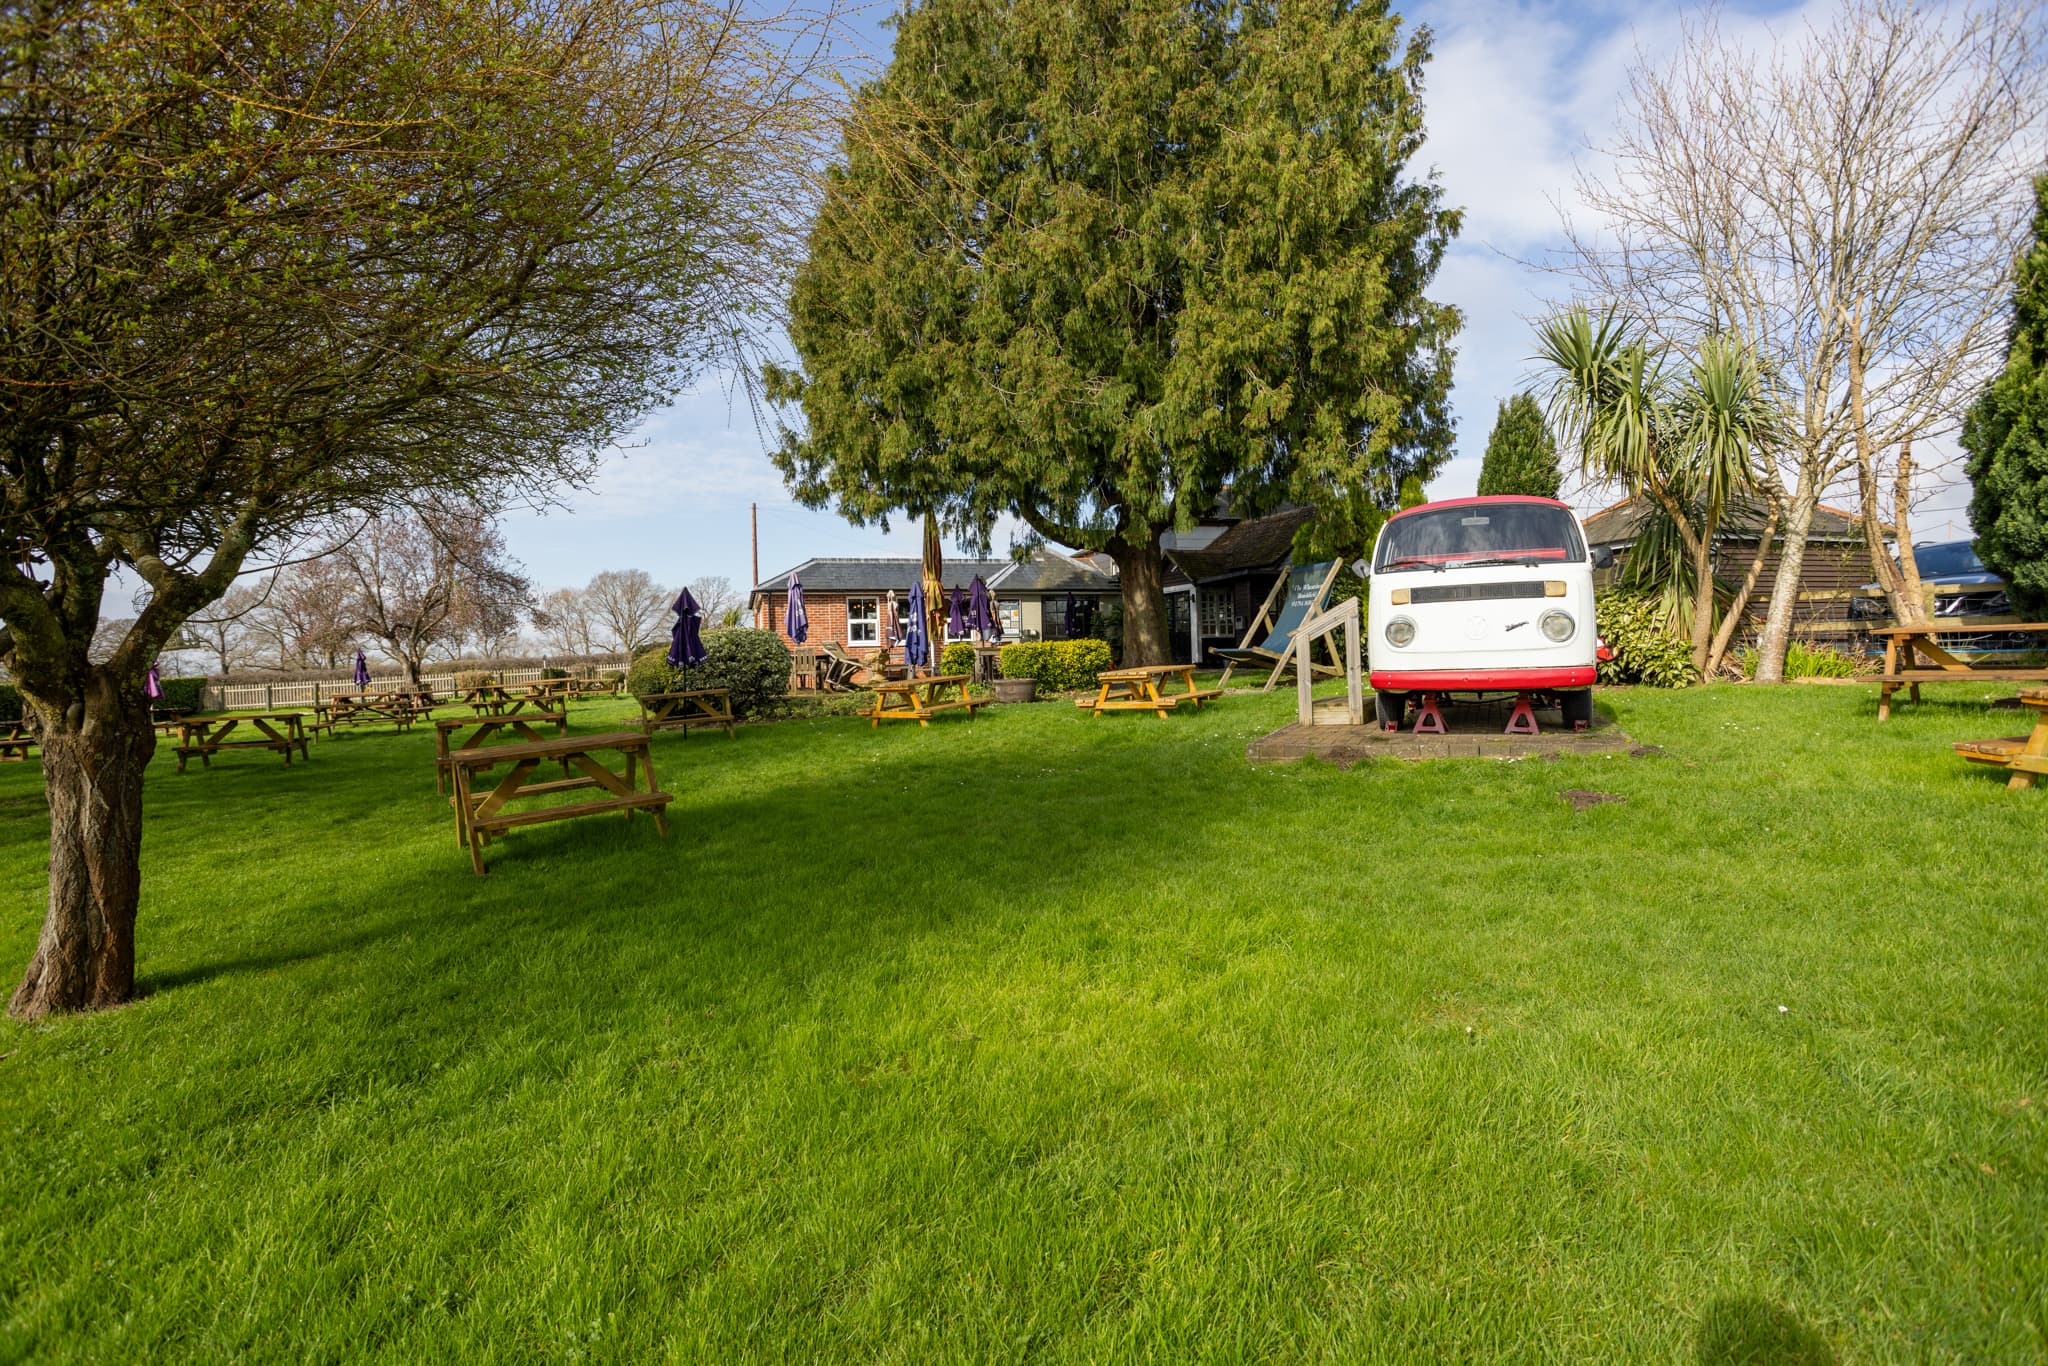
(1481, 533)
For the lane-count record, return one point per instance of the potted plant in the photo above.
(1015, 689)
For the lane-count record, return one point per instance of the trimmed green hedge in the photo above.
(1645, 650)
(182, 694)
(751, 664)
(10, 702)
(1058, 665)
(957, 658)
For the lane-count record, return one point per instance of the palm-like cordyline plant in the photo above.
(1686, 437)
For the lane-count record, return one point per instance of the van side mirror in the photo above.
(1603, 557)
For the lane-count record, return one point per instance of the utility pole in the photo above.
(754, 517)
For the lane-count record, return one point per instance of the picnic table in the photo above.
(595, 687)
(480, 816)
(1138, 689)
(1904, 667)
(493, 700)
(15, 741)
(480, 728)
(545, 690)
(2025, 756)
(920, 699)
(683, 710)
(207, 736)
(361, 709)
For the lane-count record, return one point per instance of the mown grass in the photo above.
(1045, 1038)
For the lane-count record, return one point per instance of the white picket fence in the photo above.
(249, 696)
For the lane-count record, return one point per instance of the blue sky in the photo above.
(1517, 95)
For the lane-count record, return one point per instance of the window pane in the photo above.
(863, 621)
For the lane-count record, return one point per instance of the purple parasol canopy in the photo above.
(796, 623)
(956, 619)
(361, 677)
(685, 648)
(154, 687)
(917, 646)
(981, 611)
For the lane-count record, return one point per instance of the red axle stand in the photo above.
(1428, 720)
(1522, 720)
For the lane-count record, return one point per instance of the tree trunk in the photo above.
(93, 759)
(1140, 570)
(1703, 602)
(1910, 593)
(1777, 636)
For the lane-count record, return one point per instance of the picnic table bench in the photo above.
(362, 709)
(683, 710)
(1138, 689)
(2024, 756)
(1904, 667)
(481, 816)
(920, 699)
(16, 739)
(480, 728)
(206, 736)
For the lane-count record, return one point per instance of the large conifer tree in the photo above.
(2006, 435)
(1090, 263)
(1521, 454)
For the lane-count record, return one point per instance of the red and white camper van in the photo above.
(1478, 596)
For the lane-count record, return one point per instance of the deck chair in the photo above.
(839, 667)
(1305, 586)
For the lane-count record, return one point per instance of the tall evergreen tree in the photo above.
(1089, 263)
(1521, 454)
(2006, 434)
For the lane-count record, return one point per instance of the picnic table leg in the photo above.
(660, 813)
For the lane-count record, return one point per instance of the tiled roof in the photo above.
(1257, 543)
(1048, 571)
(1616, 523)
(860, 575)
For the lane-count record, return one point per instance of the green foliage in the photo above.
(554, 673)
(182, 694)
(473, 678)
(1804, 660)
(2006, 435)
(1092, 262)
(957, 658)
(1521, 454)
(10, 702)
(1058, 665)
(752, 664)
(1646, 649)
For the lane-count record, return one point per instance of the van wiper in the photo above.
(1426, 564)
(1527, 561)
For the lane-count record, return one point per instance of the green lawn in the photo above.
(1046, 1038)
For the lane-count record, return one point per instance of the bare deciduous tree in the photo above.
(1849, 204)
(566, 625)
(627, 608)
(716, 595)
(225, 629)
(427, 581)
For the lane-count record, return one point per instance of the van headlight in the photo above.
(1400, 631)
(1557, 627)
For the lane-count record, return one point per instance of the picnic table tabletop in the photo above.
(480, 728)
(480, 816)
(1905, 667)
(920, 699)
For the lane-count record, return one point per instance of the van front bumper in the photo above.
(1483, 680)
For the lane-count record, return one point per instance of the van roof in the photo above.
(1486, 498)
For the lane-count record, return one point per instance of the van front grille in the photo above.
(1476, 592)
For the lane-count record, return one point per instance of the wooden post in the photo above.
(268, 705)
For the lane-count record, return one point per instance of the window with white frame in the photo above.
(863, 621)
(1217, 617)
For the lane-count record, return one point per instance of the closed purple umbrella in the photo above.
(685, 648)
(956, 620)
(917, 645)
(154, 688)
(796, 623)
(892, 620)
(361, 677)
(981, 611)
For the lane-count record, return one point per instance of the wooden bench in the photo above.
(1903, 667)
(397, 709)
(206, 736)
(1137, 689)
(683, 710)
(16, 739)
(2023, 756)
(920, 699)
(480, 816)
(481, 728)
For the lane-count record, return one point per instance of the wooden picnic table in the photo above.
(2024, 756)
(546, 690)
(480, 728)
(497, 701)
(595, 687)
(920, 699)
(1138, 689)
(16, 739)
(207, 736)
(683, 710)
(362, 709)
(480, 816)
(1904, 667)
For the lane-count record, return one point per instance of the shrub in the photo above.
(472, 678)
(1058, 665)
(751, 664)
(10, 702)
(554, 673)
(182, 694)
(1645, 650)
(957, 658)
(1806, 661)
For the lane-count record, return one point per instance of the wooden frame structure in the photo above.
(920, 706)
(1345, 617)
(1904, 644)
(1137, 689)
(478, 817)
(1267, 621)
(198, 735)
(683, 710)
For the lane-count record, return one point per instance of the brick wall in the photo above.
(826, 613)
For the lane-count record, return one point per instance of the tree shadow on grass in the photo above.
(1748, 1330)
